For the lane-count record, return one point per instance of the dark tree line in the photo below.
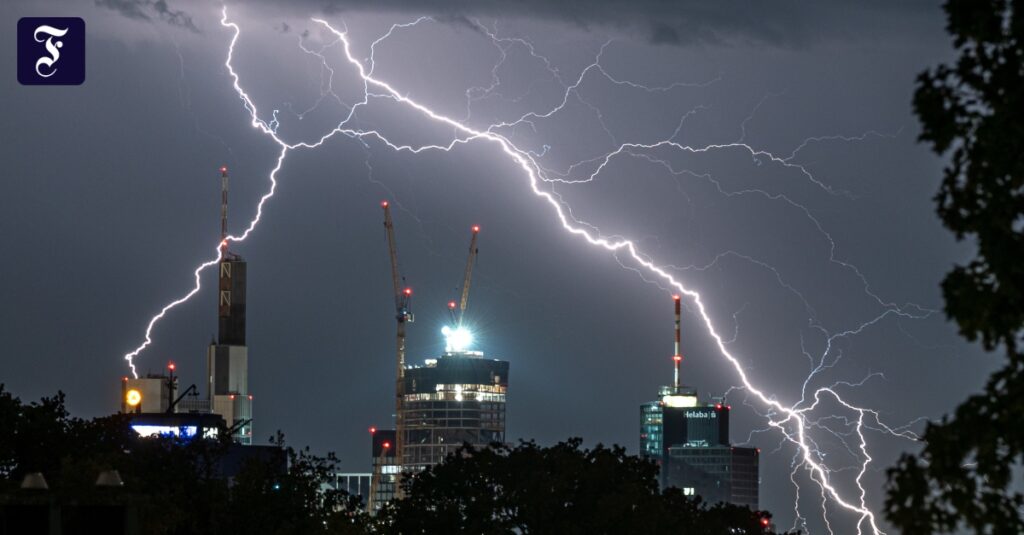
(563, 489)
(175, 486)
(968, 476)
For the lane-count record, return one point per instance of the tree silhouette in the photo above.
(973, 110)
(559, 489)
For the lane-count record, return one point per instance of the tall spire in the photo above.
(224, 210)
(677, 357)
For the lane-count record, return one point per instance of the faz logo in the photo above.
(51, 51)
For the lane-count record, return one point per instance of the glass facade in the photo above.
(690, 443)
(355, 484)
(650, 429)
(455, 399)
(716, 474)
(384, 478)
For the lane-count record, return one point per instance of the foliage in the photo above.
(178, 487)
(558, 489)
(972, 110)
(175, 486)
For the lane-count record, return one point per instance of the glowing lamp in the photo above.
(386, 445)
(383, 204)
(373, 430)
(451, 304)
(675, 297)
(224, 169)
(408, 291)
(457, 339)
(476, 228)
(133, 397)
(677, 358)
(170, 366)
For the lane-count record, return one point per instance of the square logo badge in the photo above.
(51, 51)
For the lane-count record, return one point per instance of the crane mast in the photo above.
(468, 277)
(402, 316)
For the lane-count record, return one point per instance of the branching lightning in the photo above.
(793, 422)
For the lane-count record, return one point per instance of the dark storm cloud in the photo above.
(782, 23)
(148, 10)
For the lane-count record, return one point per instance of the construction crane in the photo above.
(402, 316)
(457, 316)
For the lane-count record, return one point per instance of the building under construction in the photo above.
(457, 398)
(690, 442)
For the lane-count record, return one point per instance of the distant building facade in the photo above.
(353, 483)
(384, 479)
(154, 392)
(690, 443)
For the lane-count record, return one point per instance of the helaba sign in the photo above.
(701, 414)
(51, 51)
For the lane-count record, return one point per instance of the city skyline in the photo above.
(808, 229)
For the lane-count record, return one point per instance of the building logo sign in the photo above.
(51, 51)
(701, 414)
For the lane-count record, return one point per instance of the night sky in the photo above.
(815, 237)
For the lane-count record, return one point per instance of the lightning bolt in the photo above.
(792, 422)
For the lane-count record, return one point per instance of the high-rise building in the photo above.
(228, 358)
(454, 399)
(227, 361)
(384, 479)
(690, 442)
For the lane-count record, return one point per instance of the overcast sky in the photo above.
(111, 197)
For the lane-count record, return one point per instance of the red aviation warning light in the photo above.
(223, 169)
(476, 228)
(408, 291)
(170, 366)
(451, 305)
(373, 430)
(383, 204)
(386, 445)
(677, 358)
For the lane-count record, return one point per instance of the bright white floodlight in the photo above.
(457, 339)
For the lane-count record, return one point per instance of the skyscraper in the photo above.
(690, 442)
(227, 360)
(456, 398)
(384, 479)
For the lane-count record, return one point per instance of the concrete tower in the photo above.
(228, 358)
